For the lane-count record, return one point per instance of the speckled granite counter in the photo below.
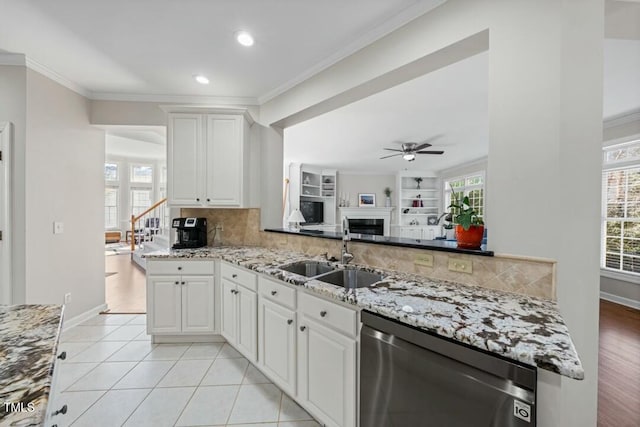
(526, 329)
(28, 343)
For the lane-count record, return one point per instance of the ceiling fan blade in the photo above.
(393, 149)
(421, 146)
(391, 155)
(430, 152)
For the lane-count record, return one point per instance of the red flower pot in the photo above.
(471, 238)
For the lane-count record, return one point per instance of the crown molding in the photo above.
(49, 73)
(621, 119)
(182, 99)
(209, 109)
(389, 26)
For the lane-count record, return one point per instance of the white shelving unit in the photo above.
(314, 184)
(417, 202)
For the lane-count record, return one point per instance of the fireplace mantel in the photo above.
(369, 213)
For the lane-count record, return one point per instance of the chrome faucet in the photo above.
(346, 256)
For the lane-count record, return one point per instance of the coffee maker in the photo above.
(192, 232)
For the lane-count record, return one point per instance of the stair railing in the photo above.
(146, 225)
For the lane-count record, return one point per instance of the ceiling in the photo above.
(138, 142)
(451, 102)
(153, 47)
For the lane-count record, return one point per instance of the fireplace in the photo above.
(367, 226)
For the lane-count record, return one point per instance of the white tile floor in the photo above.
(114, 376)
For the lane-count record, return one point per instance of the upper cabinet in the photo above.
(208, 158)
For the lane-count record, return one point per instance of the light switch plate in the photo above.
(58, 227)
(460, 265)
(425, 260)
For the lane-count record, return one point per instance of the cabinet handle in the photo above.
(197, 200)
(177, 283)
(323, 313)
(274, 293)
(208, 200)
(179, 268)
(182, 283)
(233, 276)
(63, 355)
(290, 321)
(302, 328)
(62, 411)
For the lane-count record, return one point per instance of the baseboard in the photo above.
(176, 339)
(76, 320)
(620, 300)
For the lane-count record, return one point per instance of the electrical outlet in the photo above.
(58, 227)
(461, 265)
(425, 260)
(67, 298)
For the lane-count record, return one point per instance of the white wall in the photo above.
(64, 182)
(545, 103)
(13, 108)
(620, 291)
(357, 183)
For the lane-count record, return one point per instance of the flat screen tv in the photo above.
(313, 212)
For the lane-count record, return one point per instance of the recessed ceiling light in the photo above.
(244, 38)
(201, 79)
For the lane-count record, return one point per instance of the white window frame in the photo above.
(117, 188)
(133, 188)
(446, 190)
(134, 183)
(627, 276)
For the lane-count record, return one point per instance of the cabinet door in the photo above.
(197, 304)
(163, 304)
(185, 180)
(327, 373)
(229, 313)
(411, 233)
(247, 335)
(277, 340)
(224, 160)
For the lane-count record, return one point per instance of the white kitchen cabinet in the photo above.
(180, 297)
(240, 310)
(277, 344)
(327, 361)
(208, 158)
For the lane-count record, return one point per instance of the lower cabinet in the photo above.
(239, 318)
(180, 304)
(277, 344)
(327, 373)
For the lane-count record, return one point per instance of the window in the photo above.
(621, 208)
(141, 174)
(471, 186)
(140, 200)
(110, 171)
(110, 207)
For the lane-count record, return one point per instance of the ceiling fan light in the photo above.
(244, 38)
(409, 157)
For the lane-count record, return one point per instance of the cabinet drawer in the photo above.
(277, 292)
(329, 313)
(175, 267)
(239, 275)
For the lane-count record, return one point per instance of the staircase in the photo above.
(149, 232)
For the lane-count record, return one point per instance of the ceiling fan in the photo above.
(410, 149)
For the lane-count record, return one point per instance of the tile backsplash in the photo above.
(528, 276)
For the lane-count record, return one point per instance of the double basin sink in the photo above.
(348, 277)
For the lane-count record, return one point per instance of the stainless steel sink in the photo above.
(307, 268)
(351, 278)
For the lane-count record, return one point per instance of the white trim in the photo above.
(621, 119)
(6, 277)
(74, 321)
(620, 300)
(49, 73)
(209, 109)
(188, 99)
(387, 27)
(620, 275)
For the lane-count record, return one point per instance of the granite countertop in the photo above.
(28, 344)
(527, 329)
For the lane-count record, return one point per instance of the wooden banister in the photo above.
(135, 219)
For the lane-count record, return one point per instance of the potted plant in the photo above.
(469, 225)
(418, 181)
(387, 192)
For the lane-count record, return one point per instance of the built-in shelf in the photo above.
(408, 194)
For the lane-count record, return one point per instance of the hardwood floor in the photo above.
(125, 291)
(619, 366)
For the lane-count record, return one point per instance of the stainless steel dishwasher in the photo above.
(411, 378)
